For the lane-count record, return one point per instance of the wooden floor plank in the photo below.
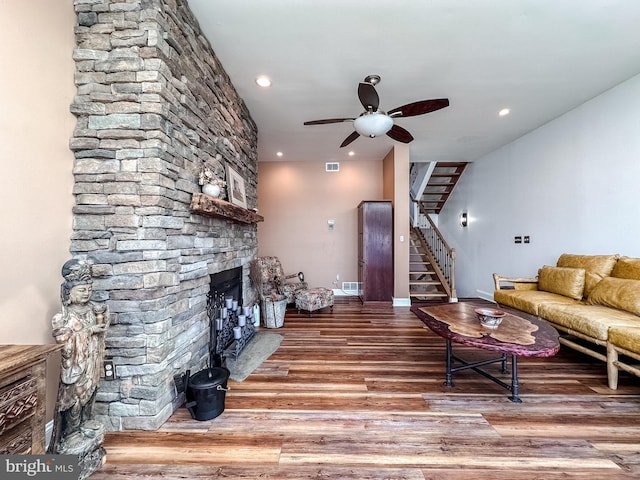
(358, 394)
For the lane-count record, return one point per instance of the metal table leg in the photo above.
(514, 380)
(448, 382)
(464, 365)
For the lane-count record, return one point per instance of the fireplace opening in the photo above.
(227, 283)
(225, 287)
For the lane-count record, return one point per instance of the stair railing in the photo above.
(439, 253)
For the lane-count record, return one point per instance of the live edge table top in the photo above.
(447, 320)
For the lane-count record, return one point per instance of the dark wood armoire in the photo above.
(375, 250)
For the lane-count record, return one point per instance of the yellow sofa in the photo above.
(592, 300)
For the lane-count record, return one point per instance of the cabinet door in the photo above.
(377, 251)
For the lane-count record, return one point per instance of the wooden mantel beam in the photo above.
(214, 207)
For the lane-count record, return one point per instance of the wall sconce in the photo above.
(464, 219)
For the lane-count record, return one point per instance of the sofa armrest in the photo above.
(516, 283)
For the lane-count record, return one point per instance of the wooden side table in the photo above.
(22, 398)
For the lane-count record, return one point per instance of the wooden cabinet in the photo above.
(375, 251)
(22, 398)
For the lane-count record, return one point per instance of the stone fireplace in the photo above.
(153, 103)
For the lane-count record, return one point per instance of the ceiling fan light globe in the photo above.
(373, 124)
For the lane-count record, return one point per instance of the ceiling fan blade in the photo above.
(349, 139)
(419, 108)
(368, 96)
(328, 120)
(400, 134)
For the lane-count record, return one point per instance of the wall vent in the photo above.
(332, 166)
(352, 288)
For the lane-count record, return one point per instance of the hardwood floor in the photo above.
(357, 394)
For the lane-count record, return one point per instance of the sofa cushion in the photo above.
(528, 301)
(626, 337)
(591, 320)
(596, 267)
(627, 267)
(565, 281)
(620, 293)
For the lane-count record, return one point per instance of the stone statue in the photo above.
(80, 328)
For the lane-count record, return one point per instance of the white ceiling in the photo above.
(540, 58)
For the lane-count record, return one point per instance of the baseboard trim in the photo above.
(338, 292)
(401, 302)
(485, 295)
(48, 431)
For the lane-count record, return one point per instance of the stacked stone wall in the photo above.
(152, 104)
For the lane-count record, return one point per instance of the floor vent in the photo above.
(351, 288)
(332, 166)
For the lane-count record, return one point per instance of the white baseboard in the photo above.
(401, 302)
(48, 431)
(485, 295)
(338, 292)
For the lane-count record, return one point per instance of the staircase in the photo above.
(444, 177)
(424, 284)
(431, 259)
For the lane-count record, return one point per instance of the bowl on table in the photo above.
(489, 317)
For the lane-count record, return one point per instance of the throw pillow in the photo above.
(568, 282)
(596, 267)
(620, 293)
(627, 267)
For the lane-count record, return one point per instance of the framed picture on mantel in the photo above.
(235, 188)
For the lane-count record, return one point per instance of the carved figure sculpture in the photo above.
(80, 328)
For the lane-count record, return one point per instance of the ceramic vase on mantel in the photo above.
(211, 190)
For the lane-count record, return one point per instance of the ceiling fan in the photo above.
(374, 122)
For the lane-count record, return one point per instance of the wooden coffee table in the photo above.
(518, 335)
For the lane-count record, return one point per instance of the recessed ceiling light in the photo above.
(504, 112)
(352, 153)
(279, 154)
(263, 81)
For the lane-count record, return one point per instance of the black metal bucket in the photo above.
(205, 393)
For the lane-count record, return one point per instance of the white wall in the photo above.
(573, 185)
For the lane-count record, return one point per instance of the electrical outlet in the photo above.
(109, 370)
(337, 277)
(527, 239)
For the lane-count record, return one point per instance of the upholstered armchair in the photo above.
(269, 278)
